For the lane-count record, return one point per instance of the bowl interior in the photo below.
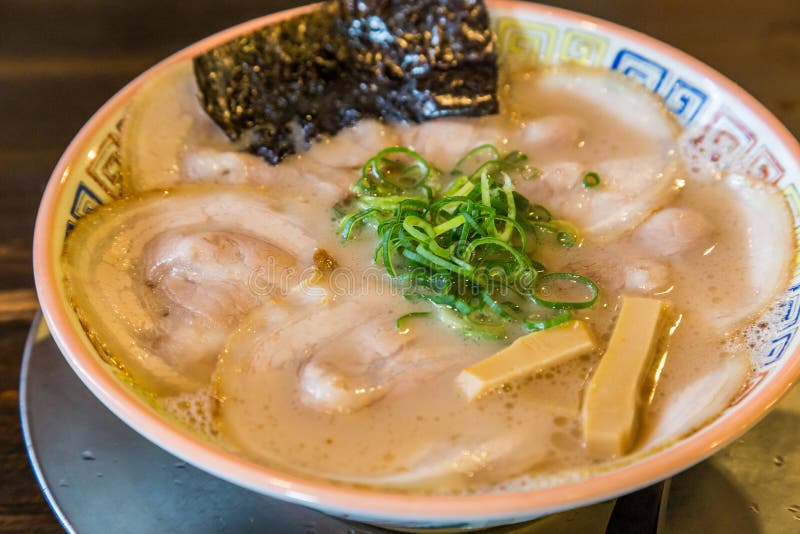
(726, 129)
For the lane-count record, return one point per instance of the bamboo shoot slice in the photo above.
(527, 355)
(612, 399)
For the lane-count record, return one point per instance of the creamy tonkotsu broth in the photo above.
(220, 290)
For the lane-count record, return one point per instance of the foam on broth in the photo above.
(423, 435)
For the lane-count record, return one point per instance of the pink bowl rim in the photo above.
(369, 503)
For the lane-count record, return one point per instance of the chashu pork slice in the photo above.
(159, 280)
(578, 120)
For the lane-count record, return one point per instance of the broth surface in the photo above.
(399, 421)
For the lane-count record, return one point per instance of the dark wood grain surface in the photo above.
(61, 59)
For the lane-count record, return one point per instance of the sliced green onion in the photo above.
(566, 239)
(403, 319)
(393, 170)
(536, 324)
(476, 158)
(441, 262)
(514, 160)
(390, 202)
(486, 192)
(511, 207)
(544, 286)
(494, 306)
(537, 212)
(463, 247)
(411, 225)
(451, 301)
(522, 259)
(481, 324)
(347, 224)
(523, 237)
(446, 226)
(565, 233)
(591, 179)
(476, 323)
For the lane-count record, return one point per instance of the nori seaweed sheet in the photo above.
(286, 84)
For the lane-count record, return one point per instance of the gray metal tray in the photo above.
(100, 476)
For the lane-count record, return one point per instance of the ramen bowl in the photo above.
(725, 129)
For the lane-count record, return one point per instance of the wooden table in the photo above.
(61, 59)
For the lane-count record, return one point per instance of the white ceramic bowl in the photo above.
(726, 128)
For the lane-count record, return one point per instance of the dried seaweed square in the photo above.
(278, 88)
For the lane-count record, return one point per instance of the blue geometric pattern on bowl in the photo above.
(682, 98)
(645, 71)
(85, 201)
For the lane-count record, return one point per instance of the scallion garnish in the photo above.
(403, 319)
(461, 241)
(565, 291)
(394, 170)
(536, 322)
(591, 179)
